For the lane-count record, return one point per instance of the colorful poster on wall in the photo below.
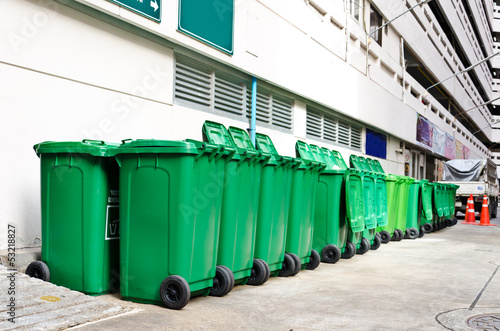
(438, 141)
(449, 150)
(459, 150)
(424, 132)
(466, 152)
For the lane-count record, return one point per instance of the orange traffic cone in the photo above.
(485, 214)
(470, 213)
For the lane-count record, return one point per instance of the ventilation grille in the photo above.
(199, 86)
(331, 129)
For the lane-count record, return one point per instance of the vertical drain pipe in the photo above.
(254, 110)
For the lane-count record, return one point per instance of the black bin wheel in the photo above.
(287, 267)
(223, 281)
(400, 234)
(421, 232)
(175, 292)
(428, 227)
(260, 273)
(38, 269)
(376, 243)
(385, 237)
(298, 263)
(364, 247)
(395, 235)
(412, 233)
(330, 253)
(314, 260)
(350, 250)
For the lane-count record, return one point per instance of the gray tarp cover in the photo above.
(463, 170)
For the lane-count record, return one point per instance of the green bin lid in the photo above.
(211, 148)
(304, 152)
(378, 166)
(331, 162)
(320, 156)
(241, 139)
(143, 146)
(265, 144)
(317, 154)
(339, 160)
(355, 163)
(86, 146)
(365, 164)
(216, 133)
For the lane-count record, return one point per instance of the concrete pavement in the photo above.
(437, 282)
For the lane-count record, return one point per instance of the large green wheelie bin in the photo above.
(439, 203)
(370, 202)
(427, 207)
(79, 216)
(299, 236)
(239, 203)
(449, 217)
(274, 205)
(393, 184)
(274, 198)
(397, 208)
(380, 193)
(403, 200)
(452, 192)
(355, 211)
(170, 202)
(414, 210)
(330, 227)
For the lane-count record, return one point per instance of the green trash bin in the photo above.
(239, 203)
(452, 192)
(449, 210)
(330, 226)
(369, 204)
(427, 208)
(395, 200)
(274, 205)
(79, 211)
(446, 203)
(414, 210)
(272, 169)
(439, 203)
(171, 195)
(302, 208)
(403, 201)
(355, 210)
(380, 192)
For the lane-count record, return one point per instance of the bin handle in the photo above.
(125, 140)
(100, 142)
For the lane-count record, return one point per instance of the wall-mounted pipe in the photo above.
(254, 110)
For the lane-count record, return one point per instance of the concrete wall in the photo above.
(69, 72)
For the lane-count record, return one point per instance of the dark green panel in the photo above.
(149, 8)
(208, 21)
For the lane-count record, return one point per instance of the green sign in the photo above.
(149, 8)
(210, 21)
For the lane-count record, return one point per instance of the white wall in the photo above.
(65, 75)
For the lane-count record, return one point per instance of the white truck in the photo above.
(476, 177)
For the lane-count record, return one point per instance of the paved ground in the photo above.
(39, 305)
(433, 283)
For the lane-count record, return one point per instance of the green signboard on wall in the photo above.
(149, 8)
(210, 21)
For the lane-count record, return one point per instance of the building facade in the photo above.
(327, 72)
